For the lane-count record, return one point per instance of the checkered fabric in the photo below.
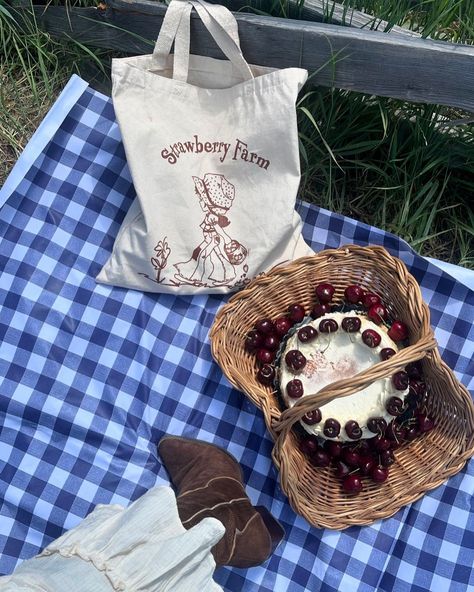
(91, 377)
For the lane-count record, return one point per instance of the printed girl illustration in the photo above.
(213, 262)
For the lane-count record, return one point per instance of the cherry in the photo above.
(282, 326)
(308, 445)
(353, 430)
(320, 310)
(320, 458)
(352, 484)
(266, 374)
(325, 292)
(365, 464)
(332, 428)
(417, 388)
(425, 423)
(253, 340)
(386, 458)
(294, 388)
(400, 380)
(265, 356)
(342, 470)
(376, 425)
(386, 353)
(377, 313)
(411, 433)
(307, 334)
(333, 448)
(413, 369)
(351, 324)
(271, 342)
(363, 448)
(371, 338)
(398, 331)
(395, 432)
(369, 299)
(379, 473)
(380, 443)
(353, 294)
(265, 326)
(351, 457)
(394, 406)
(312, 417)
(295, 360)
(296, 312)
(328, 326)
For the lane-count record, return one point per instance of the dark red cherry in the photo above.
(333, 448)
(413, 369)
(411, 433)
(328, 326)
(294, 388)
(266, 374)
(312, 417)
(307, 334)
(395, 432)
(352, 484)
(386, 353)
(394, 406)
(380, 443)
(363, 448)
(320, 310)
(253, 340)
(351, 324)
(398, 331)
(369, 299)
(271, 342)
(377, 313)
(353, 294)
(265, 356)
(282, 326)
(365, 464)
(320, 458)
(425, 423)
(417, 388)
(351, 457)
(379, 473)
(386, 458)
(295, 360)
(371, 338)
(353, 430)
(325, 292)
(376, 425)
(332, 428)
(309, 444)
(296, 313)
(341, 469)
(265, 326)
(400, 380)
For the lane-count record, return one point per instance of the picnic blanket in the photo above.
(92, 376)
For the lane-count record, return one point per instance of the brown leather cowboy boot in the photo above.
(209, 483)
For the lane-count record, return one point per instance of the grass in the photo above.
(400, 166)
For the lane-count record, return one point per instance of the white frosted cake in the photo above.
(332, 356)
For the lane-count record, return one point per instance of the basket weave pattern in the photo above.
(424, 464)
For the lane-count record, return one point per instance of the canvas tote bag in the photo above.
(212, 147)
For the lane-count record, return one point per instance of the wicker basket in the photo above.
(421, 465)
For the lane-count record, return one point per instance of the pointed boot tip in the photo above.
(275, 529)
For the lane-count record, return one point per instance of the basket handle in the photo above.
(346, 387)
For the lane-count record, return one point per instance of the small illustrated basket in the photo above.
(315, 493)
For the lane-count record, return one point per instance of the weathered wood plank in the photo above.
(377, 63)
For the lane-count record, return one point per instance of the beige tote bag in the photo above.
(212, 147)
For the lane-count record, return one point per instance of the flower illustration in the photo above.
(162, 252)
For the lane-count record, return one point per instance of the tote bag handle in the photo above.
(220, 23)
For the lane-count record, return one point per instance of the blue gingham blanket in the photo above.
(91, 377)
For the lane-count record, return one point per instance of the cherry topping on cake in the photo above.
(271, 342)
(265, 326)
(332, 428)
(296, 312)
(398, 331)
(294, 388)
(400, 380)
(320, 310)
(379, 474)
(353, 294)
(312, 417)
(395, 406)
(377, 313)
(369, 299)
(295, 360)
(307, 334)
(376, 425)
(352, 484)
(266, 374)
(320, 458)
(353, 430)
(386, 353)
(351, 324)
(282, 326)
(342, 470)
(253, 340)
(265, 356)
(328, 326)
(371, 338)
(325, 292)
